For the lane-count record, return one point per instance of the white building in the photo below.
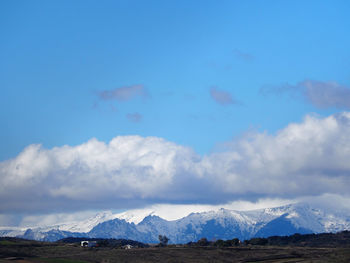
(87, 243)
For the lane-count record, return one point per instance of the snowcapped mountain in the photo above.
(136, 216)
(88, 224)
(58, 231)
(146, 225)
(12, 231)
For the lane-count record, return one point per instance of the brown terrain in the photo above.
(41, 252)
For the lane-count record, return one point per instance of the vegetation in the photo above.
(60, 260)
(163, 240)
(203, 242)
(294, 248)
(101, 242)
(7, 243)
(341, 239)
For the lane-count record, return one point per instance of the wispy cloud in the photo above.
(221, 97)
(303, 159)
(134, 117)
(125, 93)
(243, 55)
(326, 94)
(280, 89)
(320, 94)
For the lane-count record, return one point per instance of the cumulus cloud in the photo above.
(320, 94)
(310, 158)
(221, 97)
(91, 174)
(134, 117)
(125, 93)
(306, 158)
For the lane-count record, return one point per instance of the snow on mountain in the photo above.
(135, 216)
(225, 224)
(152, 226)
(167, 212)
(301, 215)
(12, 231)
(145, 225)
(88, 224)
(58, 231)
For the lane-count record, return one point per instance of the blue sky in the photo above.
(196, 74)
(57, 55)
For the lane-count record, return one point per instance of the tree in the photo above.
(203, 242)
(102, 243)
(258, 241)
(163, 240)
(232, 242)
(219, 243)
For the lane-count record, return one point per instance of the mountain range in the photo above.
(220, 224)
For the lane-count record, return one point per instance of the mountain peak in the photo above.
(145, 225)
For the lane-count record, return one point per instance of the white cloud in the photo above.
(305, 159)
(129, 167)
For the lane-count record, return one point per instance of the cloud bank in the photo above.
(310, 158)
(322, 95)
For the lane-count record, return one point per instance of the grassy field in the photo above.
(25, 252)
